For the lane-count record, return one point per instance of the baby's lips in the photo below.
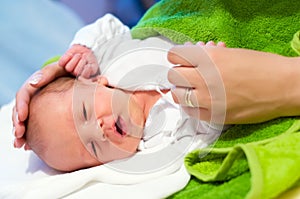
(123, 124)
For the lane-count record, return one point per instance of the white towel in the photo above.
(24, 175)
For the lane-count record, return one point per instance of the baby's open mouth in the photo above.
(120, 126)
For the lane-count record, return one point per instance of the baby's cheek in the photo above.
(136, 113)
(131, 144)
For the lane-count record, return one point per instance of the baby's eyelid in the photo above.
(94, 149)
(84, 112)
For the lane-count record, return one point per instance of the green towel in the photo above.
(266, 25)
(248, 161)
(264, 163)
(266, 160)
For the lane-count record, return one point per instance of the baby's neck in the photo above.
(147, 99)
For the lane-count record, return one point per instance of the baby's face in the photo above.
(109, 121)
(94, 124)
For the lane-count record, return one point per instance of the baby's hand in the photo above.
(80, 60)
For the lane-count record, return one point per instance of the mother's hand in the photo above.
(258, 86)
(24, 95)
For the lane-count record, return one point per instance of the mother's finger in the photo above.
(187, 55)
(181, 76)
(19, 127)
(27, 90)
(18, 143)
(36, 81)
(198, 112)
(221, 44)
(196, 56)
(191, 97)
(186, 77)
(24, 94)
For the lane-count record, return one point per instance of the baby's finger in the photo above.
(86, 73)
(73, 63)
(80, 66)
(65, 59)
(94, 68)
(90, 70)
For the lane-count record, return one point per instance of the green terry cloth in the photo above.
(253, 161)
(263, 164)
(296, 42)
(266, 25)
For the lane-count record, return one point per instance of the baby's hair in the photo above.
(32, 135)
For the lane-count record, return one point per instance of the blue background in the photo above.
(34, 30)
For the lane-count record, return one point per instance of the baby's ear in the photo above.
(102, 80)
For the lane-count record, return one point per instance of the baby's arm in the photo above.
(83, 57)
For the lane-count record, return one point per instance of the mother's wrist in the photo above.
(291, 96)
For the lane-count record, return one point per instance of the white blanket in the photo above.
(24, 175)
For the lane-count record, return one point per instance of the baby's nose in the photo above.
(101, 132)
(100, 122)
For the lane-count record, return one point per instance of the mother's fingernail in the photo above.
(35, 78)
(17, 117)
(14, 131)
(27, 148)
(14, 144)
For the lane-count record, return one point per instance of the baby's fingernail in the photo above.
(35, 78)
(77, 55)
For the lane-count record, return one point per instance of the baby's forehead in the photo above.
(84, 84)
(84, 90)
(59, 120)
(56, 104)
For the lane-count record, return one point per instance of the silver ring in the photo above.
(187, 97)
